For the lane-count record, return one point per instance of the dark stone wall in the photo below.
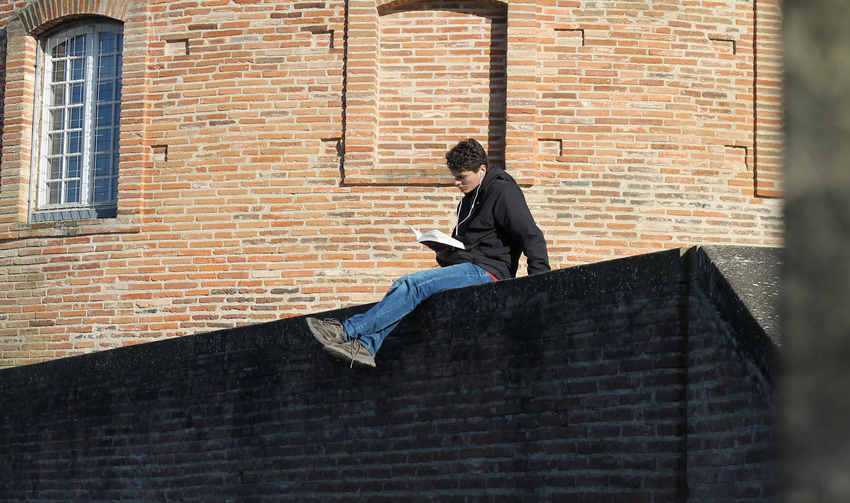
(731, 442)
(576, 385)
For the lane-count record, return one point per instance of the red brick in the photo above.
(644, 114)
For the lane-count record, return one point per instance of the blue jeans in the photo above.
(373, 326)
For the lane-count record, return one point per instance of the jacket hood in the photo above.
(493, 174)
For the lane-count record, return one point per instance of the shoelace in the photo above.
(354, 352)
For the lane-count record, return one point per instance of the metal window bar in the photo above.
(80, 118)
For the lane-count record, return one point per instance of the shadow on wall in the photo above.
(619, 380)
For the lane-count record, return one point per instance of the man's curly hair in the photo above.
(467, 155)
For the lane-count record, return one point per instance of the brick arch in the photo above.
(385, 6)
(41, 15)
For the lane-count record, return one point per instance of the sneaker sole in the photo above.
(345, 357)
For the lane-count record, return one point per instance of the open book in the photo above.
(436, 238)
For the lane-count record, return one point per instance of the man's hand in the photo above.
(443, 251)
(437, 247)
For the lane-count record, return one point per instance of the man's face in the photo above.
(467, 181)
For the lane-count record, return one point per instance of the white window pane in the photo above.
(54, 192)
(55, 144)
(78, 69)
(78, 91)
(78, 46)
(72, 191)
(74, 167)
(75, 120)
(58, 50)
(57, 119)
(75, 142)
(57, 95)
(55, 168)
(59, 71)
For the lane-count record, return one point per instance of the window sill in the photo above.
(73, 214)
(54, 226)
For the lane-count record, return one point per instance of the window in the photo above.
(80, 110)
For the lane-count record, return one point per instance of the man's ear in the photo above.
(482, 170)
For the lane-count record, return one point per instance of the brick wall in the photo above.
(442, 73)
(616, 381)
(731, 440)
(272, 151)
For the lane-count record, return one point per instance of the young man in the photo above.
(495, 226)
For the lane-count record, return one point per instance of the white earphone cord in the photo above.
(471, 206)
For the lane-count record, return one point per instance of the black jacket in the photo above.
(499, 229)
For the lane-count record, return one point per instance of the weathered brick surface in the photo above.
(271, 151)
(731, 438)
(608, 382)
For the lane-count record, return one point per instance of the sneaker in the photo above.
(328, 331)
(351, 351)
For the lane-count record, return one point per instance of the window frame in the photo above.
(90, 132)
